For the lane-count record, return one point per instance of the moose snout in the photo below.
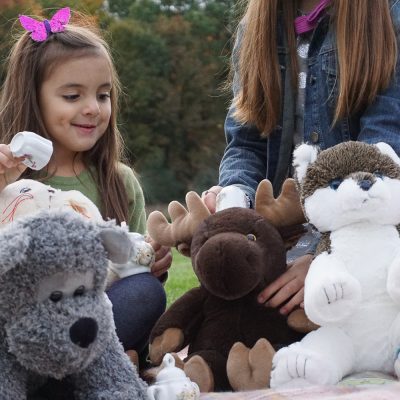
(83, 332)
(365, 184)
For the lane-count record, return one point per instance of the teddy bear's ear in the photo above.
(14, 243)
(388, 150)
(117, 244)
(303, 156)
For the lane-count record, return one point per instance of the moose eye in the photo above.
(56, 296)
(378, 174)
(335, 183)
(251, 237)
(25, 190)
(79, 291)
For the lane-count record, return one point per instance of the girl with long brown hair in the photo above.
(61, 84)
(316, 71)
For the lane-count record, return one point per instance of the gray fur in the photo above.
(73, 338)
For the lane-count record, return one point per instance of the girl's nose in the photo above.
(92, 107)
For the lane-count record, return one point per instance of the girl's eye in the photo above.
(79, 291)
(335, 183)
(378, 174)
(251, 237)
(25, 190)
(71, 97)
(56, 296)
(104, 96)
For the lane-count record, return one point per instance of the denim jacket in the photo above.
(248, 158)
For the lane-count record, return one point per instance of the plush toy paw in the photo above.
(330, 297)
(250, 369)
(199, 372)
(170, 341)
(299, 322)
(293, 367)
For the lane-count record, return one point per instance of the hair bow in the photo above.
(42, 29)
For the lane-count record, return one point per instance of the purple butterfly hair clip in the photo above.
(42, 29)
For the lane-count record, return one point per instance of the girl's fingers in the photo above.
(296, 300)
(276, 285)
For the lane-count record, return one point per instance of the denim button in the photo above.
(314, 137)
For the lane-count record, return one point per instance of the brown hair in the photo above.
(28, 64)
(366, 50)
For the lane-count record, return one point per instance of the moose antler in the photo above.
(183, 222)
(285, 210)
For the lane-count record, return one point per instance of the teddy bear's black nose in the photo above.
(83, 332)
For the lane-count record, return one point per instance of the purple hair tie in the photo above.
(308, 22)
(41, 30)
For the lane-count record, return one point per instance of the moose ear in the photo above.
(303, 156)
(117, 244)
(388, 150)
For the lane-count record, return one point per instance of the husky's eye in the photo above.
(56, 296)
(378, 174)
(335, 183)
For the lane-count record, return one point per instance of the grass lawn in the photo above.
(181, 277)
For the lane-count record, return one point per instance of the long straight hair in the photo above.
(28, 65)
(366, 51)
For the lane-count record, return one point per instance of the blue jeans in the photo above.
(138, 301)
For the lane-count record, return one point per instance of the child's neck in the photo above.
(66, 169)
(307, 5)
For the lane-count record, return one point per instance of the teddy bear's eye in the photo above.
(79, 291)
(56, 296)
(251, 237)
(335, 183)
(378, 174)
(25, 190)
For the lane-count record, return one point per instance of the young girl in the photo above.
(318, 71)
(65, 88)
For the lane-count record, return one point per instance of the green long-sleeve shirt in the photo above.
(86, 185)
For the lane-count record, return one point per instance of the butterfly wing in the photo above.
(37, 28)
(60, 19)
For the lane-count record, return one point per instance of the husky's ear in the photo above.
(388, 150)
(303, 156)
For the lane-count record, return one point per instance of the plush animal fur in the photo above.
(26, 196)
(235, 254)
(350, 193)
(55, 319)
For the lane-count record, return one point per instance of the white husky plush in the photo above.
(351, 194)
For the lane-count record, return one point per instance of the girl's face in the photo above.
(75, 104)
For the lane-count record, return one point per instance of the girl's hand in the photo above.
(11, 168)
(163, 258)
(289, 287)
(209, 197)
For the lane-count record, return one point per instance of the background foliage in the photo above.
(173, 58)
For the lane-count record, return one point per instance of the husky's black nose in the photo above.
(365, 184)
(83, 332)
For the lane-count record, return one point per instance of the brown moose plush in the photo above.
(235, 254)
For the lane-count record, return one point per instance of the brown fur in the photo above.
(232, 269)
(343, 160)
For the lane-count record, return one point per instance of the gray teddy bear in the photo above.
(56, 322)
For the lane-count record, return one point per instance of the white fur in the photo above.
(303, 156)
(388, 150)
(354, 291)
